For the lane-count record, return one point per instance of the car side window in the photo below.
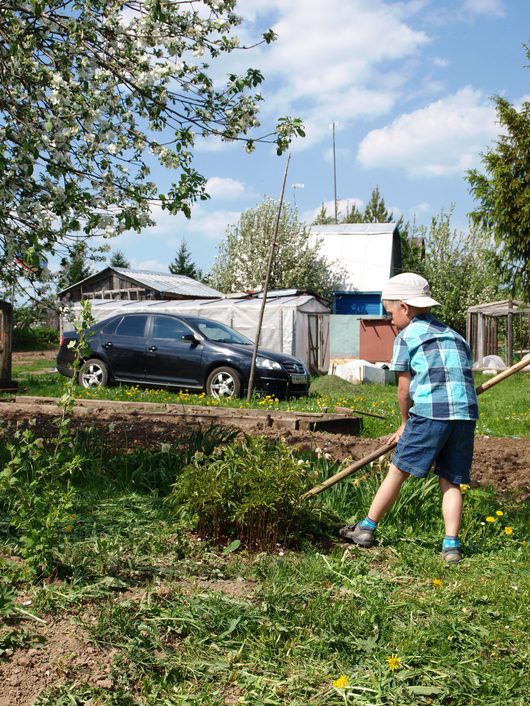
(110, 327)
(168, 328)
(133, 325)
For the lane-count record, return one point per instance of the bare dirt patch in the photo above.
(64, 655)
(30, 357)
(501, 462)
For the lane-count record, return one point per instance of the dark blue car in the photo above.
(179, 351)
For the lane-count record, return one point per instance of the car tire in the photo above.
(224, 382)
(93, 374)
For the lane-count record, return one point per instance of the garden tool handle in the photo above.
(503, 375)
(349, 470)
(388, 447)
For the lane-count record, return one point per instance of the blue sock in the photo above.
(450, 542)
(367, 523)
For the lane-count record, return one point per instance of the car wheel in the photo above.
(223, 382)
(94, 373)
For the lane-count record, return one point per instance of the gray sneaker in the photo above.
(361, 537)
(453, 555)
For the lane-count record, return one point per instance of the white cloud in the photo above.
(445, 137)
(489, 8)
(420, 209)
(225, 188)
(441, 62)
(338, 60)
(205, 222)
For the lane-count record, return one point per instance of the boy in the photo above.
(438, 407)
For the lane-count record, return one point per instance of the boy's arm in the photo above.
(404, 402)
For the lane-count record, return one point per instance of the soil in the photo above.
(65, 652)
(501, 462)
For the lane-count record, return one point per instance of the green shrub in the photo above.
(34, 338)
(249, 491)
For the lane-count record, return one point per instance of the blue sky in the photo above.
(409, 86)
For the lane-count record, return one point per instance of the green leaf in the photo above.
(232, 547)
(426, 690)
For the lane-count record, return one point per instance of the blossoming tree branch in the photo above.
(92, 92)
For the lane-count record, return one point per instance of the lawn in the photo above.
(96, 542)
(177, 620)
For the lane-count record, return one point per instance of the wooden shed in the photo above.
(136, 285)
(499, 328)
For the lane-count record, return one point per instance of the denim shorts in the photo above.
(446, 444)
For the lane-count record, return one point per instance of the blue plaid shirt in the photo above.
(439, 361)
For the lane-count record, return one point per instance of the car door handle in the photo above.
(152, 349)
(108, 344)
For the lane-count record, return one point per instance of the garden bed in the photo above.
(503, 462)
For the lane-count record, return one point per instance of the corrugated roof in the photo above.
(162, 282)
(167, 283)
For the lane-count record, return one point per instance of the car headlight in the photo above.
(267, 363)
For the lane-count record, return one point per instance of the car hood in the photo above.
(248, 350)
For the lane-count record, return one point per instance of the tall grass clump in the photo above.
(248, 491)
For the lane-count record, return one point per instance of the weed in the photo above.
(249, 490)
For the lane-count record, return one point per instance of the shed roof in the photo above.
(162, 282)
(364, 251)
(500, 308)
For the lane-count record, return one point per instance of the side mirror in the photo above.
(191, 337)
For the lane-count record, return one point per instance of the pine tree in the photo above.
(503, 193)
(74, 267)
(183, 264)
(322, 218)
(118, 259)
(353, 215)
(376, 210)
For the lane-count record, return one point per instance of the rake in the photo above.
(382, 450)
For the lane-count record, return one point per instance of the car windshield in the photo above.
(214, 331)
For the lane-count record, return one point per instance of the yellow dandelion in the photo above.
(394, 662)
(437, 582)
(342, 682)
(464, 487)
(499, 513)
(490, 519)
(508, 530)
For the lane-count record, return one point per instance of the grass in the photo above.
(178, 621)
(505, 410)
(183, 622)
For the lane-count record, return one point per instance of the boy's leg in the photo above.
(452, 514)
(451, 506)
(388, 493)
(363, 532)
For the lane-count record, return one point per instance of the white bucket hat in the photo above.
(409, 288)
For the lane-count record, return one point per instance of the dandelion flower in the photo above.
(437, 582)
(499, 513)
(464, 487)
(394, 662)
(490, 519)
(508, 530)
(342, 682)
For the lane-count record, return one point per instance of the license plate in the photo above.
(297, 379)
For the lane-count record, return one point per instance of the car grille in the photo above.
(292, 367)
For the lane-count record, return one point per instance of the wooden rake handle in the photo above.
(388, 447)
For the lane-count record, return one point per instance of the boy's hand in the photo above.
(396, 436)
